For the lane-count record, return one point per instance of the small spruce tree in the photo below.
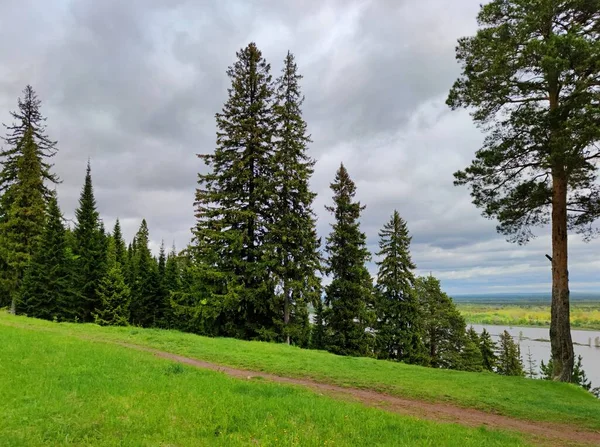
(146, 305)
(398, 333)
(509, 357)
(531, 365)
(443, 325)
(113, 292)
(349, 296)
(488, 348)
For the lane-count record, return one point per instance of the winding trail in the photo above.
(542, 433)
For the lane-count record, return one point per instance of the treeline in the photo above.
(254, 266)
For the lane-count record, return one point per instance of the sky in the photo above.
(134, 87)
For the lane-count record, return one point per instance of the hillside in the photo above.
(75, 383)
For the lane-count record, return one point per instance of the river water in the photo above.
(587, 344)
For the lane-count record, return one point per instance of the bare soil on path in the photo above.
(542, 433)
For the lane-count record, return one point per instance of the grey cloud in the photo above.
(135, 85)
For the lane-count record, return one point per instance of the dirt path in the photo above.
(544, 433)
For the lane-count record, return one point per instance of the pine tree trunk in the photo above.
(286, 309)
(560, 326)
(13, 305)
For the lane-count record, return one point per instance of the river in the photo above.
(587, 344)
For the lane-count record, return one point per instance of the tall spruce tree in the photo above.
(398, 332)
(488, 348)
(530, 76)
(443, 326)
(48, 287)
(146, 305)
(510, 362)
(293, 234)
(28, 121)
(90, 250)
(113, 293)
(26, 132)
(23, 220)
(234, 203)
(349, 296)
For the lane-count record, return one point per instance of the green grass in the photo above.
(518, 397)
(61, 390)
(584, 315)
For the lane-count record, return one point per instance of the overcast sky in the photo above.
(134, 86)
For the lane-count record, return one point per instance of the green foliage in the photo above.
(509, 357)
(90, 250)
(398, 325)
(488, 351)
(23, 219)
(113, 292)
(471, 356)
(317, 336)
(29, 125)
(48, 286)
(233, 204)
(531, 76)
(147, 308)
(349, 296)
(531, 365)
(578, 377)
(443, 326)
(171, 285)
(293, 234)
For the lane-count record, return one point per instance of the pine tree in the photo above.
(443, 326)
(530, 77)
(509, 357)
(293, 234)
(112, 291)
(146, 305)
(234, 204)
(488, 351)
(398, 332)
(90, 250)
(48, 289)
(23, 221)
(349, 296)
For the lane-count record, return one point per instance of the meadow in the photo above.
(584, 315)
(512, 396)
(62, 390)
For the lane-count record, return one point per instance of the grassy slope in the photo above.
(583, 315)
(522, 398)
(59, 390)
